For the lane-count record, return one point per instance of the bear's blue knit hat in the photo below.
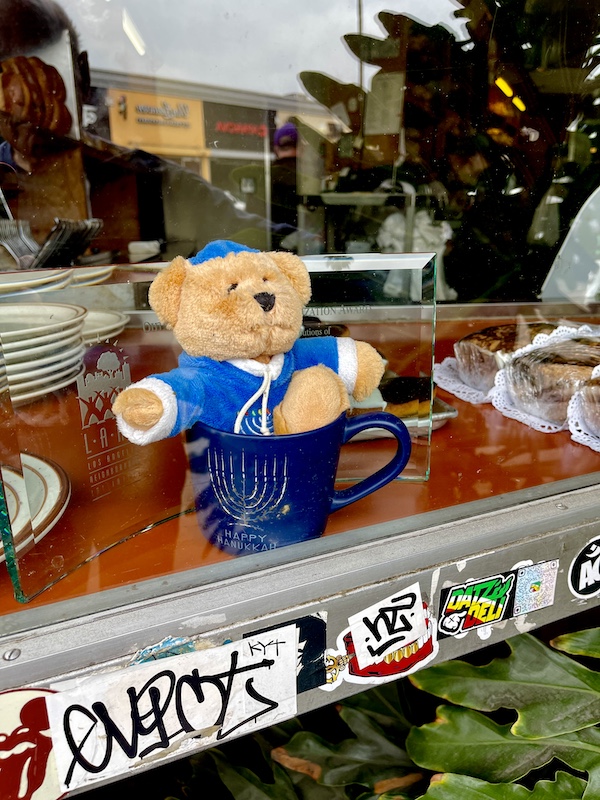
(219, 249)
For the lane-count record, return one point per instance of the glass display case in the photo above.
(436, 173)
(69, 351)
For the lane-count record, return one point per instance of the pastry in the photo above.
(403, 396)
(590, 405)
(481, 354)
(542, 381)
(32, 91)
(407, 396)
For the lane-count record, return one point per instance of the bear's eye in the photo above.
(232, 287)
(265, 280)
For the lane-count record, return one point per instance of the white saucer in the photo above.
(41, 494)
(41, 381)
(88, 276)
(101, 324)
(36, 322)
(46, 364)
(19, 399)
(56, 345)
(36, 279)
(18, 510)
(45, 287)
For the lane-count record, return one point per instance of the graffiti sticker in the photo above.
(312, 641)
(474, 603)
(105, 725)
(388, 626)
(396, 637)
(584, 572)
(27, 766)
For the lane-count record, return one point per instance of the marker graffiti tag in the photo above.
(104, 726)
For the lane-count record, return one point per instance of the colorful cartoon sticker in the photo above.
(475, 603)
(27, 765)
(584, 572)
(480, 602)
(342, 664)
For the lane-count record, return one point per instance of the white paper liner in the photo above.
(500, 397)
(446, 376)
(557, 335)
(579, 430)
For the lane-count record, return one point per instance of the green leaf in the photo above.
(308, 789)
(553, 694)
(383, 705)
(245, 785)
(470, 743)
(581, 643)
(370, 737)
(463, 787)
(368, 758)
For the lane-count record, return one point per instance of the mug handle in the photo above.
(393, 468)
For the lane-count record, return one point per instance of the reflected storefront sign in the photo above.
(155, 122)
(237, 127)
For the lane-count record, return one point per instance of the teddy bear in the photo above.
(237, 313)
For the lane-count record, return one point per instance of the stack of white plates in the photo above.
(101, 324)
(39, 280)
(43, 347)
(36, 498)
(89, 276)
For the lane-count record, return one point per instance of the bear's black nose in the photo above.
(265, 300)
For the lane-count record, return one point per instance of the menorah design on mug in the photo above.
(246, 491)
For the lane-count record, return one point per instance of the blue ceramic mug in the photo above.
(257, 493)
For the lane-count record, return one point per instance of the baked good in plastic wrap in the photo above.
(584, 412)
(537, 384)
(590, 405)
(481, 354)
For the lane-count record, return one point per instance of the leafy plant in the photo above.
(551, 692)
(557, 705)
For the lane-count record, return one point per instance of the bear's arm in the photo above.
(337, 353)
(182, 397)
(357, 363)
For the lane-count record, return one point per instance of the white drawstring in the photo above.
(264, 391)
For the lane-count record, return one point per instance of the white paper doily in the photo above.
(557, 335)
(446, 376)
(579, 431)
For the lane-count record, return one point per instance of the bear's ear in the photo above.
(294, 270)
(164, 294)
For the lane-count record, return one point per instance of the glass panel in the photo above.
(75, 486)
(130, 134)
